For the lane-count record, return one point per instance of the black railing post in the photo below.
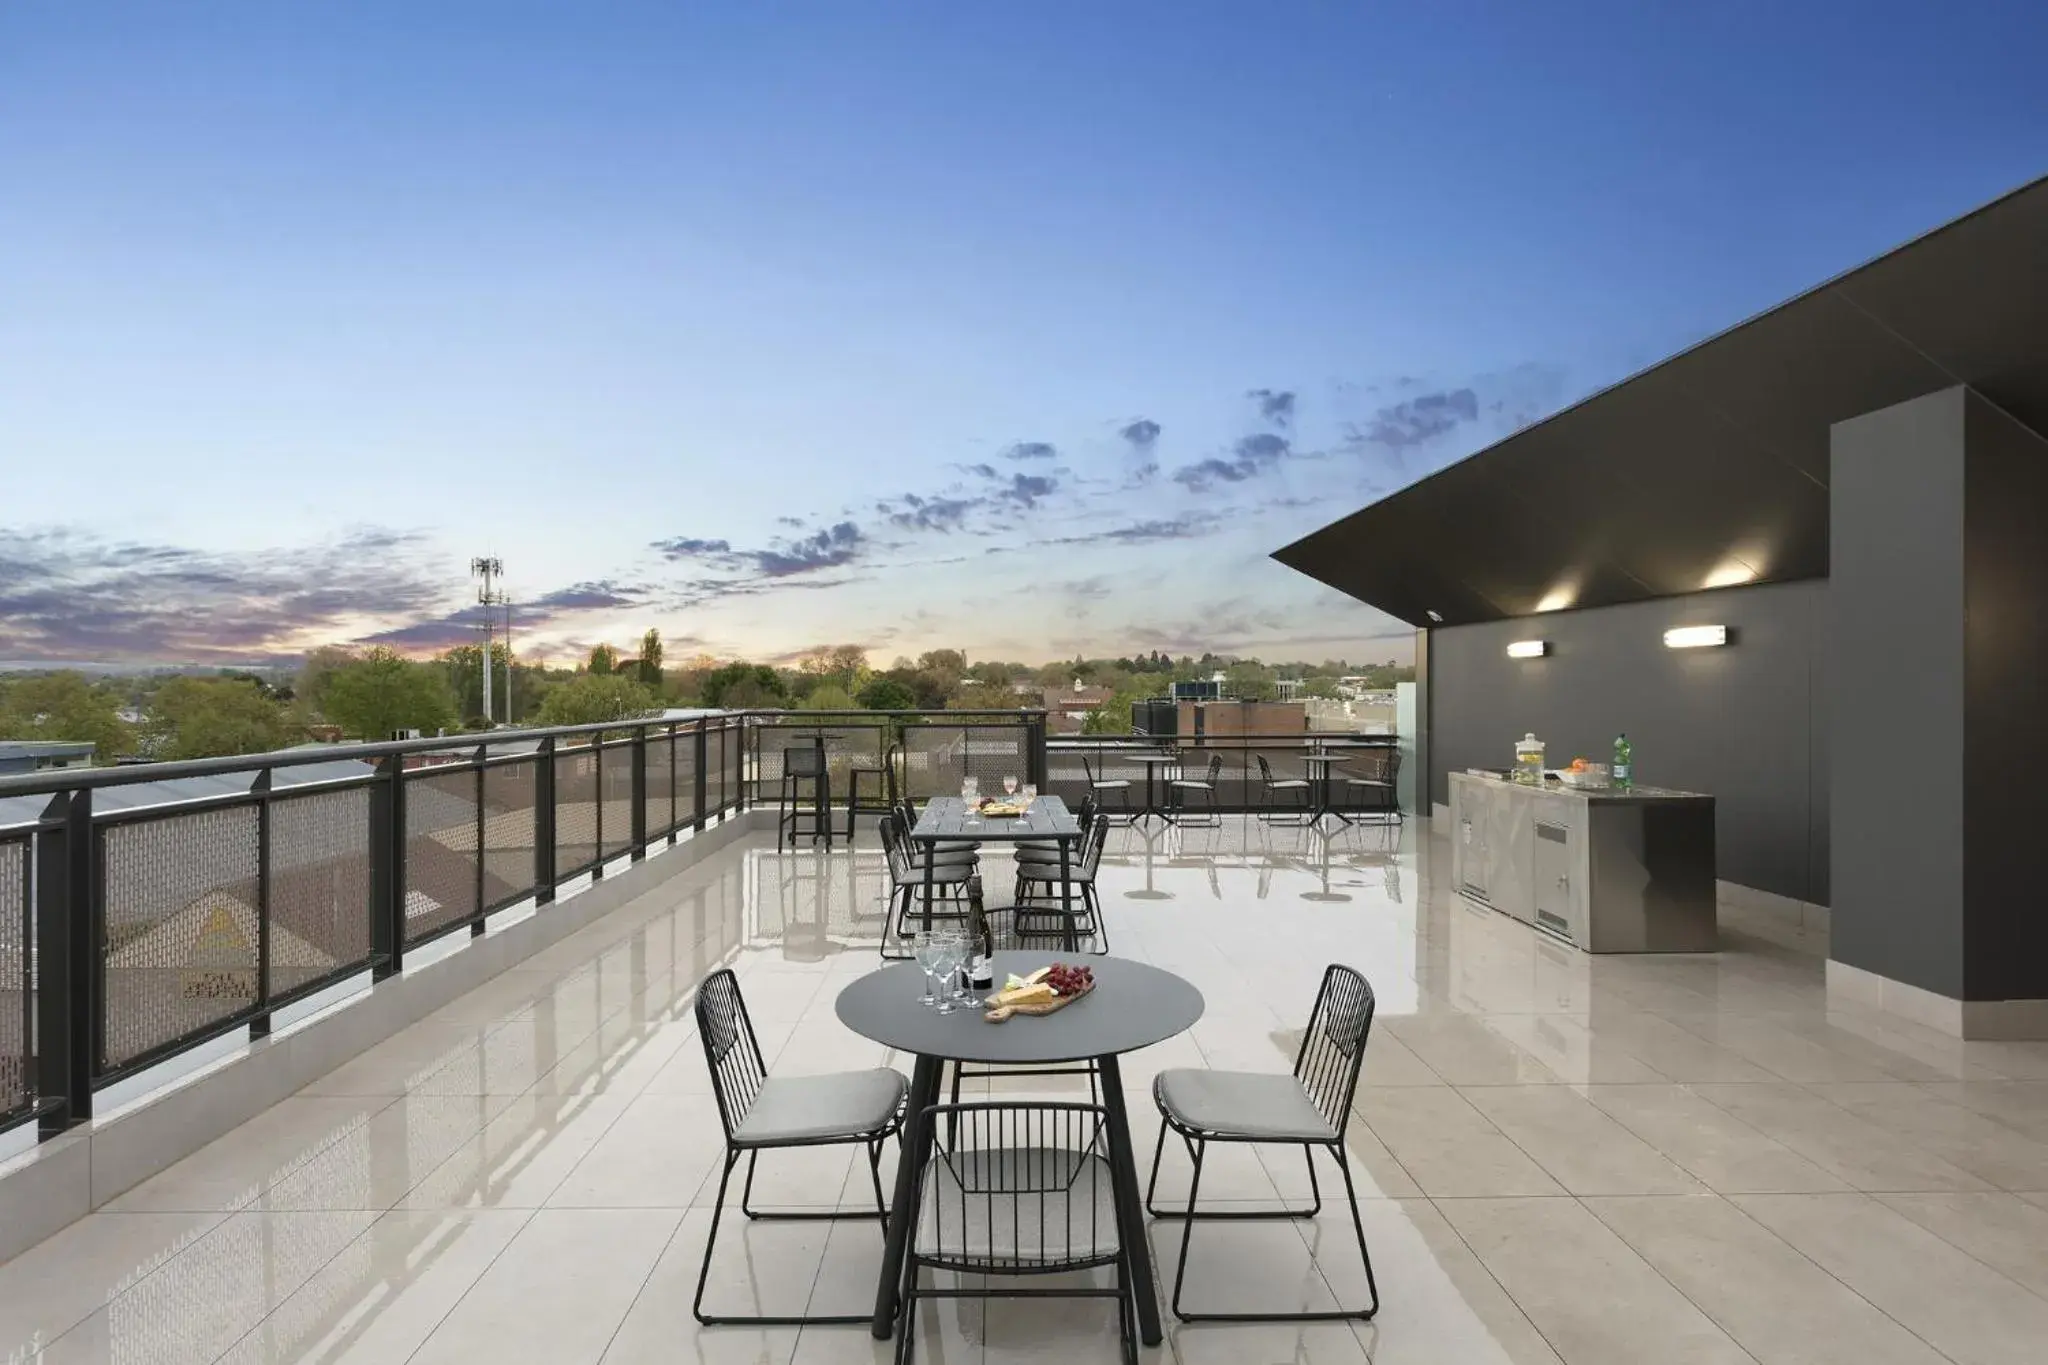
(738, 732)
(66, 1011)
(387, 869)
(639, 752)
(544, 824)
(259, 1027)
(1034, 759)
(476, 926)
(698, 770)
(597, 805)
(670, 823)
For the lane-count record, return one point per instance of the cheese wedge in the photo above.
(1041, 974)
(1033, 994)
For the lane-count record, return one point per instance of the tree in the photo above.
(594, 698)
(650, 659)
(216, 717)
(317, 671)
(1113, 717)
(983, 697)
(884, 693)
(64, 706)
(739, 686)
(603, 659)
(827, 696)
(384, 692)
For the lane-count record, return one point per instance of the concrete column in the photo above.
(1938, 585)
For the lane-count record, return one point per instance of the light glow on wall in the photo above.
(1528, 649)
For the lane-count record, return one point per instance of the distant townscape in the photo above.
(97, 714)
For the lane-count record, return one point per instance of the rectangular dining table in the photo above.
(949, 819)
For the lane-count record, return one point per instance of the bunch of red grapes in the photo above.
(1067, 980)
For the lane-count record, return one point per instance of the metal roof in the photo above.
(1711, 468)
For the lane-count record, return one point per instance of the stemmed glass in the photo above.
(951, 957)
(927, 948)
(1010, 784)
(970, 787)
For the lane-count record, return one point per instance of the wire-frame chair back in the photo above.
(730, 1048)
(803, 760)
(890, 828)
(1333, 1049)
(1017, 1186)
(1265, 770)
(1213, 772)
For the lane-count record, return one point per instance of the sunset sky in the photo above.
(1029, 330)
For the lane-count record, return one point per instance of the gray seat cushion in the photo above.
(1072, 1220)
(1279, 782)
(1110, 783)
(806, 1108)
(1244, 1104)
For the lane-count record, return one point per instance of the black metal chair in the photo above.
(1201, 789)
(1084, 817)
(954, 879)
(1375, 793)
(1044, 894)
(804, 763)
(1308, 1108)
(1270, 788)
(1102, 788)
(761, 1113)
(1015, 1190)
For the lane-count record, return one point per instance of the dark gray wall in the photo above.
(2005, 743)
(1739, 722)
(1895, 599)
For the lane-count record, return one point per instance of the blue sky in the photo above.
(1029, 330)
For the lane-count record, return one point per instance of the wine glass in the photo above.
(951, 956)
(1009, 784)
(926, 948)
(970, 787)
(1030, 792)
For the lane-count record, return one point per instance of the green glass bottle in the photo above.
(1624, 771)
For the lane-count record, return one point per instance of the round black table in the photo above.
(1133, 1005)
(1153, 763)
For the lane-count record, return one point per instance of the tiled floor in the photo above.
(1622, 1160)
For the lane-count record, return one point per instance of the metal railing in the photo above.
(928, 751)
(1240, 787)
(147, 910)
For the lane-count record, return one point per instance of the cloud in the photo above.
(1252, 456)
(1142, 434)
(1417, 421)
(987, 471)
(1031, 450)
(825, 548)
(591, 596)
(935, 514)
(1026, 489)
(69, 596)
(796, 523)
(1275, 405)
(1187, 526)
(684, 547)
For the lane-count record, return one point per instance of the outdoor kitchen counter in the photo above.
(1610, 870)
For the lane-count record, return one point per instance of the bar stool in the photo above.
(885, 778)
(803, 763)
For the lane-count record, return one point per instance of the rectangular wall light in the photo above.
(1695, 637)
(1528, 649)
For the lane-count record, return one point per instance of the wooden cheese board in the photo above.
(998, 1013)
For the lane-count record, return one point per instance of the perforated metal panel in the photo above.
(718, 774)
(319, 887)
(936, 757)
(686, 777)
(440, 849)
(182, 937)
(17, 1069)
(660, 813)
(615, 823)
(509, 792)
(575, 810)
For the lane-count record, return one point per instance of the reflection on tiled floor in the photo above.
(1626, 1160)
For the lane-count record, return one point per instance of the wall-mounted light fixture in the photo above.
(1695, 637)
(1433, 615)
(1528, 649)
